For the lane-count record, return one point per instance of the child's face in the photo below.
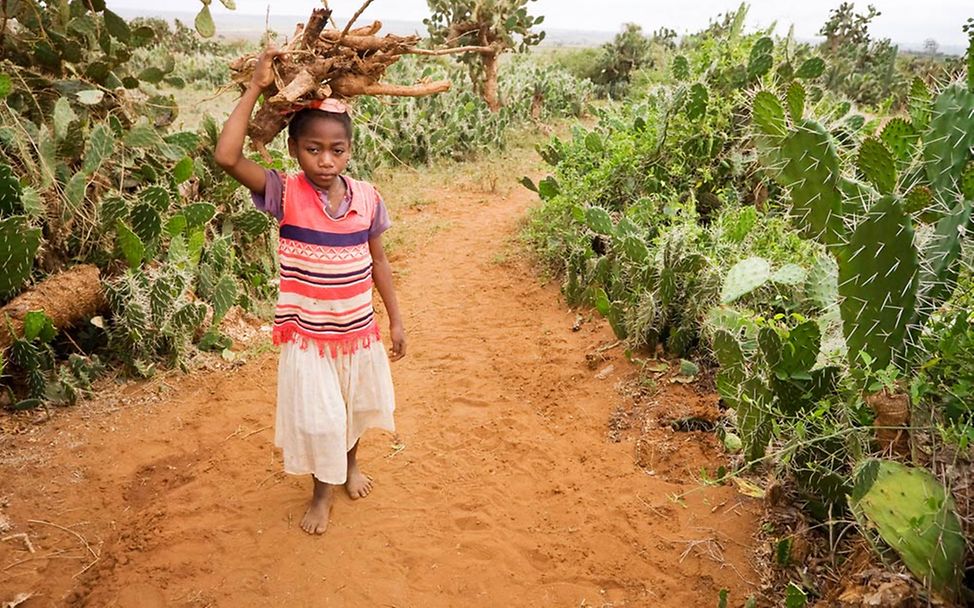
(322, 151)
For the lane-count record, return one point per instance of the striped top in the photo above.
(326, 270)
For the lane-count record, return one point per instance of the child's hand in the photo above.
(263, 72)
(398, 335)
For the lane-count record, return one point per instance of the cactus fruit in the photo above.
(876, 164)
(744, 277)
(900, 139)
(811, 68)
(18, 248)
(878, 275)
(948, 142)
(913, 514)
(811, 171)
(696, 105)
(795, 97)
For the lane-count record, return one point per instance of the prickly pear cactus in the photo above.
(913, 514)
(878, 277)
(796, 101)
(760, 60)
(876, 164)
(900, 138)
(811, 68)
(948, 142)
(18, 248)
(696, 105)
(10, 192)
(810, 169)
(727, 351)
(744, 277)
(681, 67)
(146, 223)
(768, 115)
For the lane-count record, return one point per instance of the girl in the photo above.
(333, 376)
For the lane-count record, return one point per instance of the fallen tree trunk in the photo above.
(67, 298)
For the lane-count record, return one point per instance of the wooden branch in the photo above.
(319, 17)
(351, 21)
(351, 86)
(484, 50)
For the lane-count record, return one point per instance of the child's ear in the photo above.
(292, 147)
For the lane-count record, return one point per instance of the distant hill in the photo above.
(250, 27)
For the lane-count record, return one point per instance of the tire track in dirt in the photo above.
(501, 488)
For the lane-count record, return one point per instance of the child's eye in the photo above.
(339, 151)
(313, 150)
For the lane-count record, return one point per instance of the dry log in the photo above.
(892, 419)
(67, 298)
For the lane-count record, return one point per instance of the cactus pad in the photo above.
(146, 223)
(10, 192)
(789, 274)
(919, 104)
(900, 138)
(18, 247)
(811, 172)
(198, 214)
(252, 222)
(878, 275)
(796, 101)
(598, 221)
(948, 143)
(744, 277)
(876, 164)
(224, 296)
(696, 105)
(129, 243)
(157, 197)
(768, 115)
(822, 286)
(913, 514)
(760, 61)
(811, 68)
(681, 67)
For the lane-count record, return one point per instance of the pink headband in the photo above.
(329, 104)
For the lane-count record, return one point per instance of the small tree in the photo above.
(620, 58)
(845, 26)
(931, 47)
(490, 28)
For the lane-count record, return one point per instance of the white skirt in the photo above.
(325, 403)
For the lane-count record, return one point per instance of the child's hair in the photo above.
(302, 118)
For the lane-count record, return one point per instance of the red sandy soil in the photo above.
(506, 485)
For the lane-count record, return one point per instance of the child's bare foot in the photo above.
(315, 520)
(359, 485)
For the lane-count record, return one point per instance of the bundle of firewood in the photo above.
(322, 62)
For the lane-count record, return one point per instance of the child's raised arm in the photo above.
(229, 147)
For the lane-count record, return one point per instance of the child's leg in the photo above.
(358, 484)
(315, 520)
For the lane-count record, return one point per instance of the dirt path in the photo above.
(502, 487)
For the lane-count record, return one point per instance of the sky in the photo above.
(906, 21)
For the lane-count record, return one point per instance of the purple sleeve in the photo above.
(380, 219)
(272, 199)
